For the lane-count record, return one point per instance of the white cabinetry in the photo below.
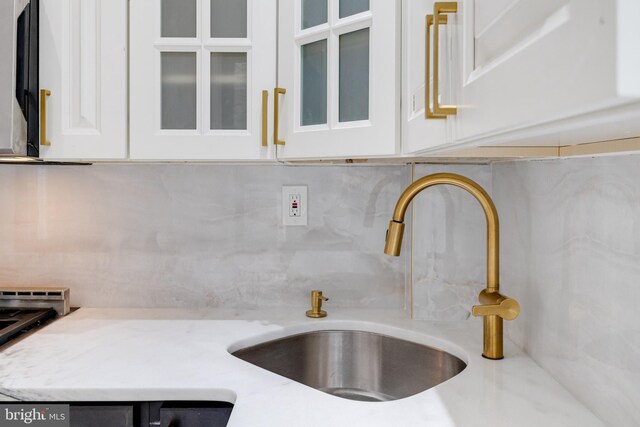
(339, 62)
(201, 75)
(529, 65)
(83, 63)
(198, 72)
(418, 131)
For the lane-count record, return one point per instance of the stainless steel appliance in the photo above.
(24, 309)
(19, 126)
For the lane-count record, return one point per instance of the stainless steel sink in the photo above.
(355, 365)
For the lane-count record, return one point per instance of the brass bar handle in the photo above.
(439, 17)
(44, 94)
(276, 114)
(265, 118)
(507, 308)
(427, 90)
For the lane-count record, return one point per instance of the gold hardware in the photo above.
(496, 304)
(316, 305)
(439, 10)
(265, 118)
(495, 307)
(44, 93)
(276, 114)
(427, 90)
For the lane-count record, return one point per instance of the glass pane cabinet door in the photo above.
(228, 18)
(314, 13)
(352, 7)
(339, 63)
(314, 83)
(228, 90)
(353, 86)
(198, 72)
(178, 71)
(178, 18)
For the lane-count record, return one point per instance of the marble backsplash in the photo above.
(210, 236)
(571, 255)
(449, 245)
(201, 235)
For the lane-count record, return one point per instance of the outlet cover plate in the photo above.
(295, 205)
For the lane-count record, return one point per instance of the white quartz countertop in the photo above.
(149, 354)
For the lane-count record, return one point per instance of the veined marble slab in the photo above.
(102, 355)
(200, 235)
(449, 245)
(571, 256)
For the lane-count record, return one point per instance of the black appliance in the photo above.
(24, 309)
(15, 322)
(19, 127)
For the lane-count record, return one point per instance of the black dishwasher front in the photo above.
(150, 414)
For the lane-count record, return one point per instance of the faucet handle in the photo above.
(506, 307)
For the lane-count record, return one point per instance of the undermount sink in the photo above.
(355, 365)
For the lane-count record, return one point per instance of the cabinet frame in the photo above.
(148, 140)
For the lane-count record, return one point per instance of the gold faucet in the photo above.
(316, 305)
(495, 307)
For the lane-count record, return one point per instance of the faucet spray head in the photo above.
(393, 244)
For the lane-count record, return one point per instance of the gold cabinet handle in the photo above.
(265, 118)
(276, 114)
(439, 17)
(427, 91)
(44, 94)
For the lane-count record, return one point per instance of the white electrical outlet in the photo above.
(294, 205)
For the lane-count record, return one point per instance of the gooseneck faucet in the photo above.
(494, 306)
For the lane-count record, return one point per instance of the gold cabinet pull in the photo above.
(427, 90)
(265, 118)
(439, 17)
(44, 94)
(276, 114)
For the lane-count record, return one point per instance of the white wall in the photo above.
(571, 256)
(200, 235)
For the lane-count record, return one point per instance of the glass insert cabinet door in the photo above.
(339, 61)
(198, 72)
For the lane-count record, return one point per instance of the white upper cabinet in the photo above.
(421, 128)
(322, 79)
(202, 72)
(530, 69)
(339, 63)
(83, 64)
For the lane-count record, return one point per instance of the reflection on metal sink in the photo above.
(355, 365)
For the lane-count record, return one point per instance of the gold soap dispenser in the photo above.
(316, 311)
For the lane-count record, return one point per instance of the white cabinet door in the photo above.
(83, 63)
(339, 61)
(420, 131)
(531, 63)
(198, 72)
